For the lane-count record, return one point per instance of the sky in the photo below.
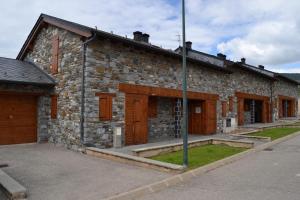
(264, 32)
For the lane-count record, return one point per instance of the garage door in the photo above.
(18, 119)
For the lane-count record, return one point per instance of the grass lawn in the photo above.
(199, 156)
(275, 133)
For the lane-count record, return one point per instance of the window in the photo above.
(54, 106)
(105, 106)
(55, 51)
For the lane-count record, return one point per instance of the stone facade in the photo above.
(65, 129)
(109, 63)
(284, 88)
(163, 124)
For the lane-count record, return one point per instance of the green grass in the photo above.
(199, 156)
(275, 133)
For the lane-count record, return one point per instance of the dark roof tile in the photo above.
(16, 71)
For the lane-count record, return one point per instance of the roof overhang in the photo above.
(43, 22)
(87, 32)
(27, 83)
(238, 64)
(279, 76)
(153, 48)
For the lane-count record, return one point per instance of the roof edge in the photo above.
(42, 71)
(40, 23)
(287, 78)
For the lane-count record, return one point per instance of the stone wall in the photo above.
(66, 128)
(163, 124)
(248, 82)
(285, 88)
(110, 63)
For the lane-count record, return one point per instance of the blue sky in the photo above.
(263, 32)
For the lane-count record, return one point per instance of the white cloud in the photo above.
(262, 31)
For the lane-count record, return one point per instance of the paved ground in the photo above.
(50, 172)
(267, 175)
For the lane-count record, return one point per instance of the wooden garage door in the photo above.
(18, 119)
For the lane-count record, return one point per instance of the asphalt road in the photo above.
(267, 175)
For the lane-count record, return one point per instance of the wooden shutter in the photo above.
(292, 107)
(210, 116)
(105, 106)
(280, 108)
(296, 107)
(54, 106)
(224, 108)
(55, 52)
(240, 111)
(152, 113)
(231, 104)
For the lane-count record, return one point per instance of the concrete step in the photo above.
(11, 188)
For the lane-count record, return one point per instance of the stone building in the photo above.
(101, 81)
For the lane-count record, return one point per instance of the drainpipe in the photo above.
(85, 44)
(271, 102)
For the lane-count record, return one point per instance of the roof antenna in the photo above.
(96, 27)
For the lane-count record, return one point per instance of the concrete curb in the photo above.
(180, 178)
(138, 161)
(11, 188)
(261, 138)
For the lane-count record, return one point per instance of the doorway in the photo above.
(196, 122)
(136, 119)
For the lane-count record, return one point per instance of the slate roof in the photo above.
(294, 76)
(205, 60)
(87, 32)
(16, 71)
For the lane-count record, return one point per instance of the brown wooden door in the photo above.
(210, 116)
(195, 117)
(18, 119)
(136, 119)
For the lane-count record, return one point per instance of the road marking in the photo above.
(298, 175)
(275, 164)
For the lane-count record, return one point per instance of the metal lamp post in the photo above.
(184, 88)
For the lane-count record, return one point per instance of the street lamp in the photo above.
(184, 88)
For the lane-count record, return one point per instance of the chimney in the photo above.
(222, 56)
(137, 36)
(261, 67)
(188, 45)
(145, 37)
(243, 60)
